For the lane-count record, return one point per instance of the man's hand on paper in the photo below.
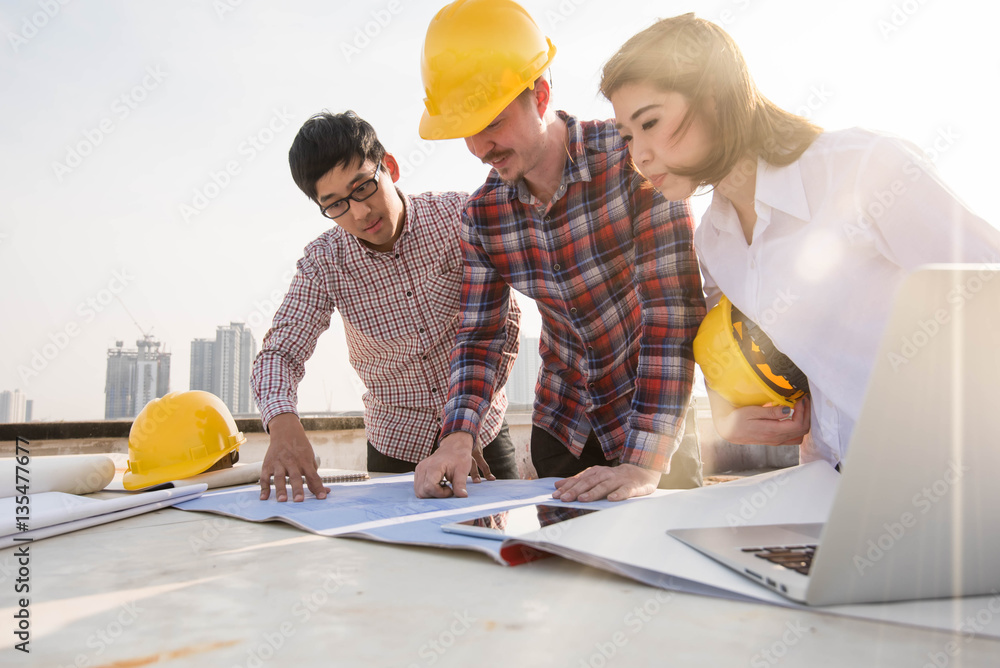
(452, 462)
(766, 425)
(616, 483)
(289, 454)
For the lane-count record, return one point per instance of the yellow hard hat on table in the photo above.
(478, 56)
(741, 363)
(180, 435)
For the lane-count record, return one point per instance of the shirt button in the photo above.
(556, 266)
(397, 256)
(573, 310)
(421, 330)
(548, 219)
(590, 348)
(425, 358)
(434, 389)
(438, 419)
(409, 294)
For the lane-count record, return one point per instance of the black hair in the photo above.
(327, 141)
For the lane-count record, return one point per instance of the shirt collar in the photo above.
(780, 188)
(577, 169)
(407, 229)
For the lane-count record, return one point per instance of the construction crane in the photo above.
(147, 337)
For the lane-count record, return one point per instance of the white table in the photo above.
(177, 588)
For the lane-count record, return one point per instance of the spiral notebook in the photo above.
(241, 474)
(354, 476)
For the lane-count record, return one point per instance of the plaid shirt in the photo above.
(400, 312)
(611, 266)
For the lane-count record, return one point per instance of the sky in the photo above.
(145, 174)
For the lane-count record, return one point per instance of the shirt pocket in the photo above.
(444, 288)
(376, 311)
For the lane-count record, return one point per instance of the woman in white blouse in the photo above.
(809, 233)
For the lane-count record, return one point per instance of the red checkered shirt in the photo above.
(400, 311)
(611, 266)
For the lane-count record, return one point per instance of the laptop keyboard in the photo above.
(794, 557)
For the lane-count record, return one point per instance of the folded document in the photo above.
(52, 513)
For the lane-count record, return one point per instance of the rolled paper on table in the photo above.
(72, 474)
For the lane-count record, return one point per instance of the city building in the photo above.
(135, 377)
(248, 351)
(201, 364)
(223, 366)
(13, 406)
(152, 373)
(119, 382)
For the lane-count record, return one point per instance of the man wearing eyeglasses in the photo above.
(392, 266)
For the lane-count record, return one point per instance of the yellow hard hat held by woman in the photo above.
(741, 363)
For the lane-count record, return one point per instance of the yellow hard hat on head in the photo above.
(478, 56)
(740, 362)
(179, 435)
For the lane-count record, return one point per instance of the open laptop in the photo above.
(917, 511)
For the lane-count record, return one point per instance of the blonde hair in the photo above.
(701, 61)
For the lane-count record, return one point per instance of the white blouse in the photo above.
(836, 232)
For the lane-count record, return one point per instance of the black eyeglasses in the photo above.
(364, 190)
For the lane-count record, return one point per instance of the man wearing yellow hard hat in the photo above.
(561, 218)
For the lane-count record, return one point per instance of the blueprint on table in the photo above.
(386, 509)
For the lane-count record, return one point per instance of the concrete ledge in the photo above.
(340, 441)
(120, 428)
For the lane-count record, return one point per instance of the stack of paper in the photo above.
(632, 541)
(52, 513)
